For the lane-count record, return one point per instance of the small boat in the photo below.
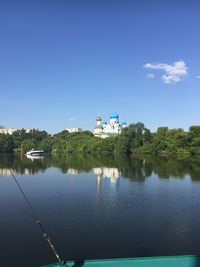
(165, 261)
(34, 152)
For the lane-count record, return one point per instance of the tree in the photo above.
(162, 131)
(122, 147)
(138, 138)
(6, 143)
(147, 136)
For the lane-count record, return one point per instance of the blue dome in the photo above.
(104, 122)
(114, 115)
(123, 122)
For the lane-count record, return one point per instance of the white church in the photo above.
(104, 129)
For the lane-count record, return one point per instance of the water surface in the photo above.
(96, 208)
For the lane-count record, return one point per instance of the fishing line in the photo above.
(37, 219)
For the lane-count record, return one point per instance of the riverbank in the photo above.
(135, 140)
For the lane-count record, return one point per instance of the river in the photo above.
(98, 208)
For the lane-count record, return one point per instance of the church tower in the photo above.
(98, 120)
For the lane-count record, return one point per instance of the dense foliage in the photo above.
(136, 139)
(84, 143)
(22, 141)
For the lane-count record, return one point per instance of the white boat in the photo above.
(34, 152)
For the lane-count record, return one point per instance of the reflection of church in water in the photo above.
(104, 172)
(112, 174)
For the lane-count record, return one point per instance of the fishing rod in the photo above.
(37, 219)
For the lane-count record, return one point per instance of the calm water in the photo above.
(98, 208)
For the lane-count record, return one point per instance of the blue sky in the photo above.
(64, 62)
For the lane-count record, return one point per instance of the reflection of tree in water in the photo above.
(194, 170)
(22, 165)
(166, 168)
(137, 169)
(80, 163)
(132, 169)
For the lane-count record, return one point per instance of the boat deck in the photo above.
(165, 261)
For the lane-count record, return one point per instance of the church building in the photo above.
(104, 129)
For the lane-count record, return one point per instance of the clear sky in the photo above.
(64, 62)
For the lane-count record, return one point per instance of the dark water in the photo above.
(98, 208)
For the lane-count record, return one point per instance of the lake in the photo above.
(98, 208)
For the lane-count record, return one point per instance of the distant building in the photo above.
(12, 130)
(104, 129)
(74, 130)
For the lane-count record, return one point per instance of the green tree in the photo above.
(6, 143)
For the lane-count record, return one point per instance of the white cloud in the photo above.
(173, 73)
(72, 119)
(198, 76)
(150, 75)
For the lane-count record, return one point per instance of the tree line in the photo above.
(134, 140)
